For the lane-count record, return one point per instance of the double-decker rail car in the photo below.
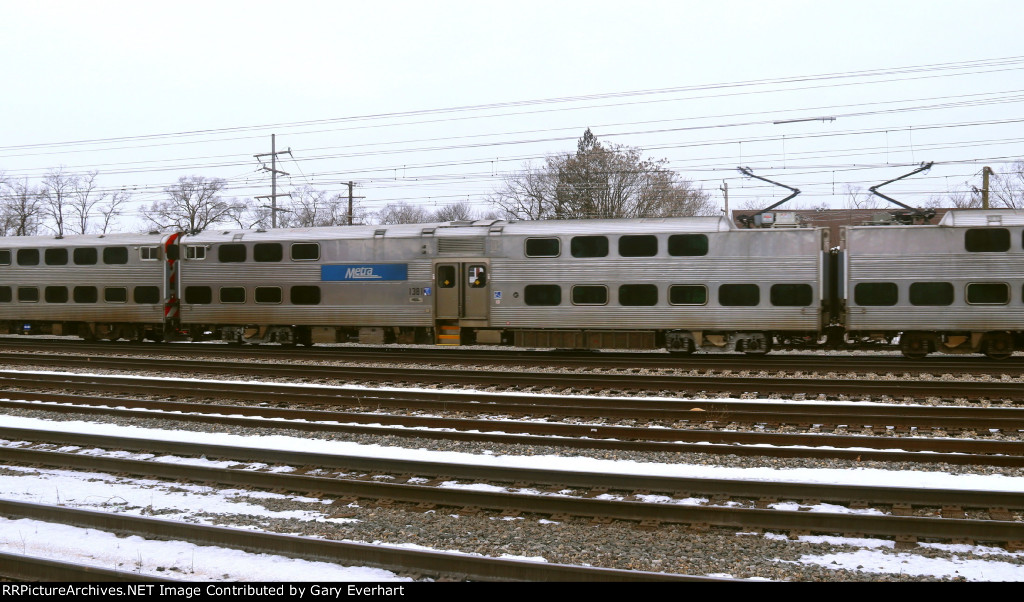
(97, 286)
(955, 287)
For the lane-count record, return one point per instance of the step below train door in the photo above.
(461, 298)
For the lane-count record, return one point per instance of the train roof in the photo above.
(472, 228)
(85, 240)
(983, 217)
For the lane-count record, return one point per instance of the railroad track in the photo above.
(346, 479)
(635, 379)
(687, 430)
(863, 362)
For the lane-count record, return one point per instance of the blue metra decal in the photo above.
(364, 272)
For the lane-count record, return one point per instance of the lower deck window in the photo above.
(5, 294)
(988, 293)
(232, 294)
(688, 294)
(542, 294)
(115, 294)
(791, 295)
(305, 295)
(740, 295)
(146, 294)
(876, 293)
(198, 295)
(638, 294)
(267, 294)
(56, 294)
(85, 294)
(586, 294)
(931, 293)
(28, 294)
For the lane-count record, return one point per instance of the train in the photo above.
(685, 285)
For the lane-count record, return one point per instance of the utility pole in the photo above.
(985, 173)
(725, 189)
(273, 178)
(350, 203)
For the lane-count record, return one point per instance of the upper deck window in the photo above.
(85, 256)
(115, 255)
(987, 240)
(267, 252)
(28, 256)
(55, 256)
(233, 253)
(305, 251)
(688, 245)
(589, 246)
(543, 247)
(644, 245)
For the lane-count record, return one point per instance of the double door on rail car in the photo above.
(461, 290)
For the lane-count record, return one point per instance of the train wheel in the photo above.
(914, 346)
(998, 345)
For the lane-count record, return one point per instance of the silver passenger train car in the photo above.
(955, 287)
(684, 284)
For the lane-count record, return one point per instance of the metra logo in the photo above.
(362, 273)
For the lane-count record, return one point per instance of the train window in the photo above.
(446, 276)
(589, 294)
(988, 293)
(688, 294)
(542, 294)
(115, 294)
(5, 294)
(644, 245)
(195, 252)
(85, 294)
(28, 294)
(477, 276)
(305, 295)
(267, 252)
(267, 294)
(987, 240)
(115, 255)
(85, 256)
(232, 294)
(234, 253)
(149, 253)
(146, 294)
(791, 295)
(5, 257)
(55, 256)
(931, 293)
(28, 256)
(688, 245)
(638, 294)
(589, 246)
(543, 247)
(876, 293)
(56, 294)
(305, 251)
(742, 295)
(198, 295)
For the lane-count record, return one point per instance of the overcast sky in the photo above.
(368, 92)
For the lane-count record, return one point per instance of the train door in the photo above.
(461, 297)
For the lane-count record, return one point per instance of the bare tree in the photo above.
(311, 207)
(83, 200)
(112, 208)
(56, 192)
(857, 198)
(1008, 187)
(193, 204)
(461, 211)
(600, 181)
(403, 213)
(20, 208)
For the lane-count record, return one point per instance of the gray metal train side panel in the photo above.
(761, 257)
(364, 279)
(904, 255)
(134, 273)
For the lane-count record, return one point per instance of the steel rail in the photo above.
(859, 447)
(1009, 533)
(676, 410)
(676, 486)
(30, 568)
(937, 364)
(637, 379)
(386, 557)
